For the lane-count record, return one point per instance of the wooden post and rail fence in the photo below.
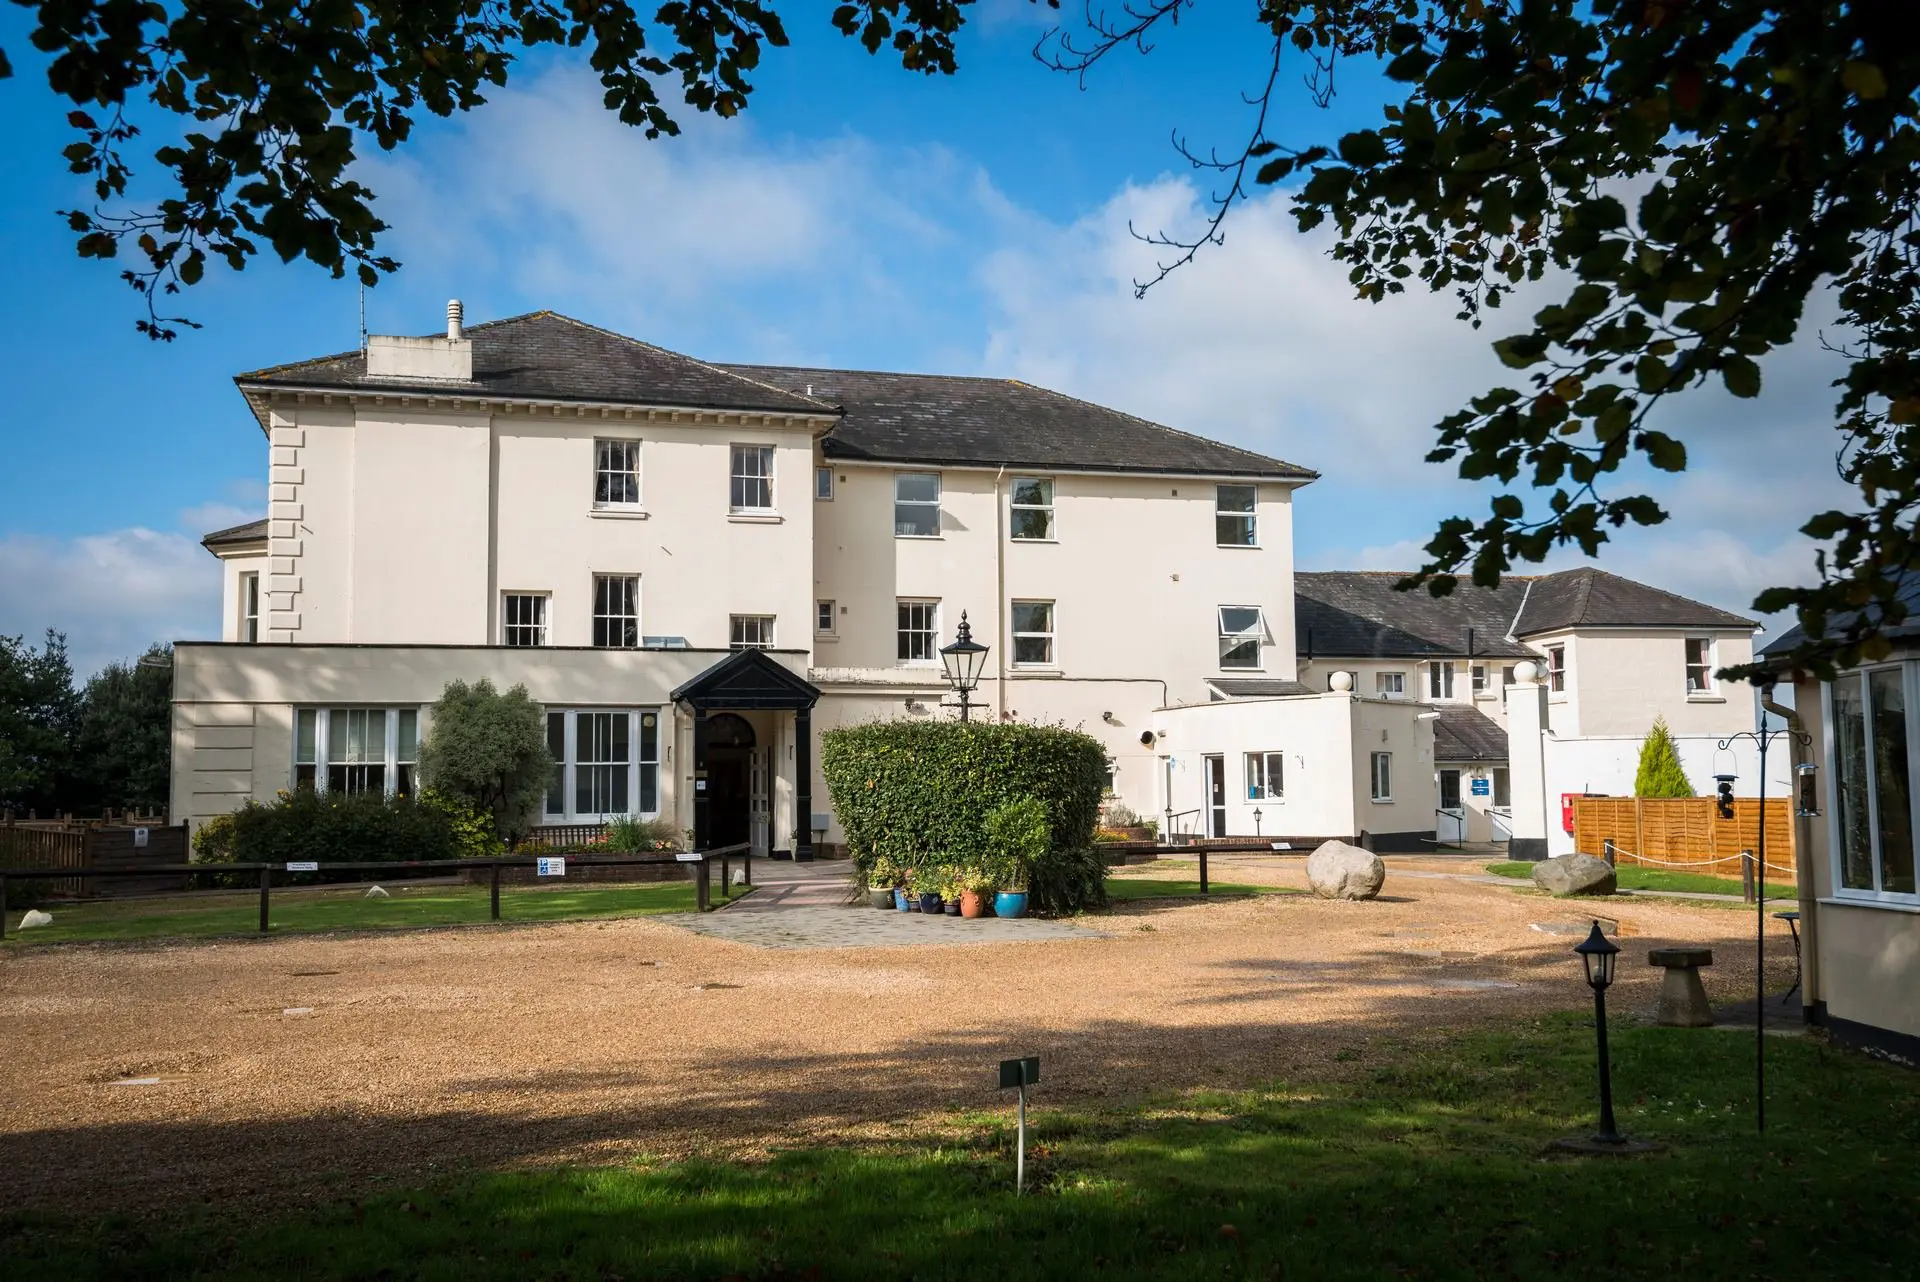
(1685, 834)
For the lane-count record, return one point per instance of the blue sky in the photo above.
(857, 216)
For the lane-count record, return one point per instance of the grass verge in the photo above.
(1637, 877)
(1426, 1162)
(345, 908)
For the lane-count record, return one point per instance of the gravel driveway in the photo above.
(318, 1067)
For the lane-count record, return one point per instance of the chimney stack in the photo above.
(453, 320)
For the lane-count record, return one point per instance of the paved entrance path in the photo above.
(805, 906)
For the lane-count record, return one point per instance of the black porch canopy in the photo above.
(752, 680)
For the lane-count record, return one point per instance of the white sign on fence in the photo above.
(303, 865)
(550, 866)
(140, 838)
(689, 856)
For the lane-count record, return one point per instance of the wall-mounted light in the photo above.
(1107, 717)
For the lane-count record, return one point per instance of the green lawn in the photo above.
(345, 908)
(1130, 888)
(1636, 877)
(1429, 1162)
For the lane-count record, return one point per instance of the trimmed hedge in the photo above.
(335, 828)
(919, 793)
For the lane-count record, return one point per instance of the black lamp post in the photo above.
(1598, 952)
(963, 661)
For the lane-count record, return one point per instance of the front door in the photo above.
(1216, 796)
(731, 755)
(1451, 822)
(760, 802)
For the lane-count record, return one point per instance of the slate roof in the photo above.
(552, 357)
(1355, 614)
(1909, 628)
(1467, 734)
(938, 420)
(251, 532)
(1256, 687)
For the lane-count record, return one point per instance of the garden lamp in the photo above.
(963, 661)
(1597, 952)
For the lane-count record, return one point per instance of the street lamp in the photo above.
(1598, 952)
(963, 661)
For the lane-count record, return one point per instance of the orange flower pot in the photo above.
(974, 905)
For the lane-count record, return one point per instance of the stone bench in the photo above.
(1683, 1000)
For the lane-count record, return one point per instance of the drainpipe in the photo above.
(1000, 594)
(1798, 754)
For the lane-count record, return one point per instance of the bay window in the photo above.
(1872, 823)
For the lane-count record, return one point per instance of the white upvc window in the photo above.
(1031, 519)
(616, 474)
(750, 632)
(1383, 776)
(1871, 763)
(616, 611)
(752, 480)
(1234, 516)
(1390, 685)
(1478, 675)
(606, 762)
(1439, 680)
(1699, 665)
(825, 622)
(919, 632)
(1242, 632)
(523, 618)
(349, 750)
(1557, 669)
(916, 505)
(1033, 634)
(250, 606)
(823, 484)
(1265, 776)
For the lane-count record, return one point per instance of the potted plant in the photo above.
(977, 885)
(903, 899)
(1017, 836)
(1011, 900)
(950, 890)
(882, 877)
(932, 901)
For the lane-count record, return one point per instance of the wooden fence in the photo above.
(1686, 831)
(46, 844)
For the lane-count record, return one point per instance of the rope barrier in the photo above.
(1619, 851)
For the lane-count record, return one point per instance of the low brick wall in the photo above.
(576, 873)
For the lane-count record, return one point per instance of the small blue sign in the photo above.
(1482, 787)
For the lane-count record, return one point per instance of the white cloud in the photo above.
(114, 593)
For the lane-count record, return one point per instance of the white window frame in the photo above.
(823, 484)
(939, 493)
(393, 766)
(1265, 775)
(250, 605)
(1557, 668)
(1390, 685)
(1048, 637)
(616, 467)
(641, 768)
(1250, 515)
(1257, 633)
(1440, 679)
(540, 631)
(750, 632)
(1704, 690)
(611, 618)
(1381, 777)
(749, 467)
(931, 632)
(1046, 509)
(1836, 856)
(1477, 677)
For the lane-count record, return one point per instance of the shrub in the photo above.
(921, 793)
(1660, 773)
(627, 835)
(489, 749)
(346, 828)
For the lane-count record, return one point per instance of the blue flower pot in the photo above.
(1010, 903)
(932, 903)
(901, 901)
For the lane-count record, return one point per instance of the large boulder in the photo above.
(1339, 871)
(1575, 875)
